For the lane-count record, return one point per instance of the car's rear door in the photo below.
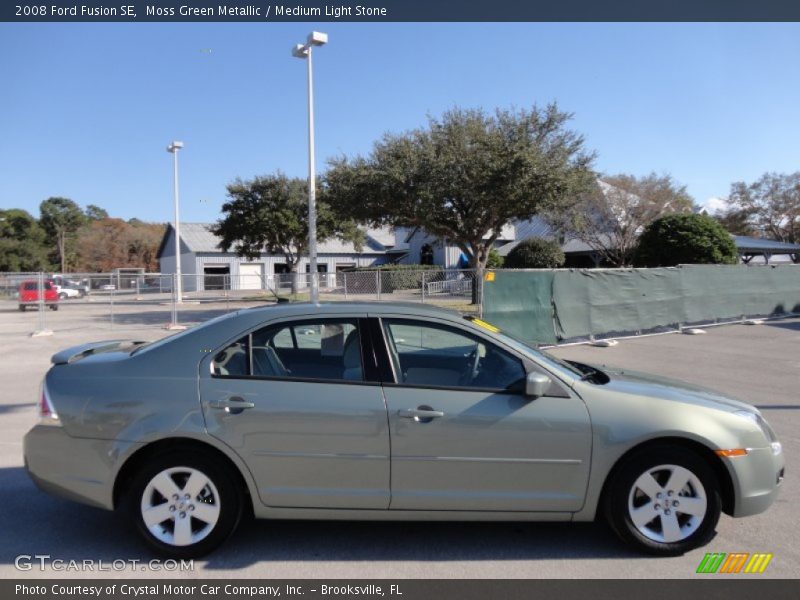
(464, 435)
(301, 405)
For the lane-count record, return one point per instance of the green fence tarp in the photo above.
(521, 302)
(542, 306)
(602, 301)
(724, 292)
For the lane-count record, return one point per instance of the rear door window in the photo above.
(321, 349)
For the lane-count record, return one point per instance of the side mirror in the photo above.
(536, 384)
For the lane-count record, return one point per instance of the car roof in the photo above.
(331, 308)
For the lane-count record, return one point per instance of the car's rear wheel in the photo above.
(63, 295)
(185, 504)
(664, 501)
(22, 308)
(54, 307)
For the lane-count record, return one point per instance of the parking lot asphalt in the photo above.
(759, 364)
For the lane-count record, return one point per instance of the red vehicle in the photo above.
(29, 294)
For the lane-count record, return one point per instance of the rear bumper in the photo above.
(77, 469)
(757, 480)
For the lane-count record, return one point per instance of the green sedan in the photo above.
(363, 411)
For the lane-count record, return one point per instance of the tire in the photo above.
(22, 308)
(54, 307)
(217, 494)
(662, 471)
(63, 296)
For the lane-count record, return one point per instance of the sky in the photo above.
(87, 110)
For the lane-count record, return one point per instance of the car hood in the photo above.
(666, 389)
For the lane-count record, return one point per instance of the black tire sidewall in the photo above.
(616, 499)
(230, 502)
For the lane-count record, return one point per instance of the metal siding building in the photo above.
(204, 264)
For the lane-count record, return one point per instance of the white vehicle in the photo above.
(67, 292)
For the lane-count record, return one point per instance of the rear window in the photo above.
(33, 286)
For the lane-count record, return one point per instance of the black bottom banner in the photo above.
(410, 589)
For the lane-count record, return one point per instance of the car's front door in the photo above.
(464, 435)
(299, 404)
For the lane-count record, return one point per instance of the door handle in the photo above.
(422, 414)
(233, 405)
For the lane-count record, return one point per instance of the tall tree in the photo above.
(611, 216)
(61, 218)
(143, 240)
(95, 213)
(770, 205)
(103, 245)
(466, 175)
(21, 242)
(270, 214)
(106, 244)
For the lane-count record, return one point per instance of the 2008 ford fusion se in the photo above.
(388, 411)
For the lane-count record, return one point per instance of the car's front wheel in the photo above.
(185, 504)
(664, 501)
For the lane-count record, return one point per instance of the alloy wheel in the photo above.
(180, 506)
(667, 503)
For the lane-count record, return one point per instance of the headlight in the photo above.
(758, 420)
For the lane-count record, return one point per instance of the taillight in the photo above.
(47, 414)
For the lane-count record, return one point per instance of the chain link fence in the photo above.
(134, 300)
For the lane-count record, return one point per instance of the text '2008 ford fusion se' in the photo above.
(364, 411)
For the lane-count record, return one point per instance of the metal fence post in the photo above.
(378, 283)
(112, 308)
(174, 322)
(226, 284)
(42, 318)
(423, 287)
(344, 278)
(478, 281)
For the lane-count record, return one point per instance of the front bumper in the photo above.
(77, 469)
(756, 480)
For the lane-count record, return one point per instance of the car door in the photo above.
(464, 435)
(299, 404)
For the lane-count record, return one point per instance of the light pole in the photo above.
(315, 38)
(173, 149)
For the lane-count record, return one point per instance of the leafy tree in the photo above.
(95, 213)
(685, 239)
(270, 214)
(61, 218)
(771, 205)
(535, 253)
(611, 216)
(21, 242)
(106, 244)
(464, 176)
(736, 221)
(143, 240)
(103, 245)
(495, 261)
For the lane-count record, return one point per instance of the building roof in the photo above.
(751, 245)
(197, 238)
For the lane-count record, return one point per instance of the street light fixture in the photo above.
(315, 38)
(173, 149)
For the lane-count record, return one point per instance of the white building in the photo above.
(204, 266)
